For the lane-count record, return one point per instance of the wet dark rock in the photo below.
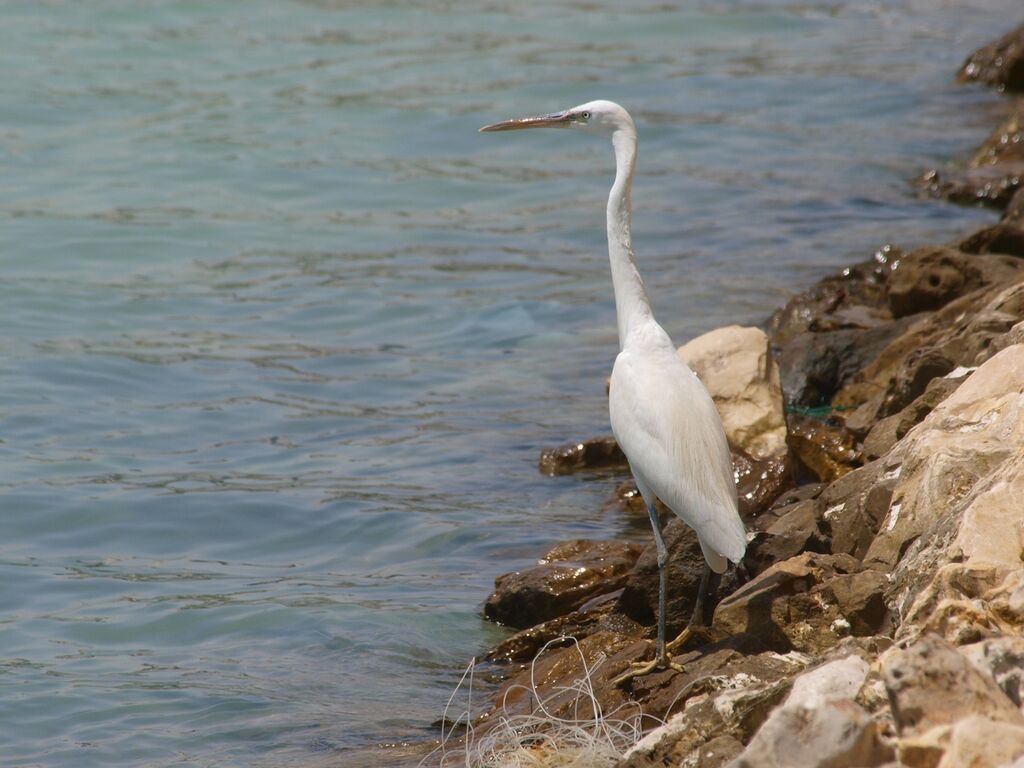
(569, 575)
(1014, 213)
(931, 684)
(999, 64)
(628, 497)
(596, 453)
(807, 603)
(596, 615)
(824, 451)
(1005, 145)
(1002, 238)
(993, 186)
(639, 598)
(813, 367)
(760, 482)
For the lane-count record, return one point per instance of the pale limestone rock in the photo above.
(959, 481)
(979, 742)
(819, 725)
(965, 603)
(925, 750)
(735, 366)
(835, 734)
(931, 684)
(839, 679)
(1003, 659)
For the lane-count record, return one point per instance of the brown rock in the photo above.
(596, 615)
(1014, 213)
(930, 277)
(964, 333)
(854, 298)
(1003, 238)
(993, 186)
(627, 496)
(931, 684)
(887, 432)
(807, 603)
(1005, 144)
(925, 750)
(824, 450)
(596, 453)
(794, 531)
(854, 506)
(999, 64)
(569, 575)
(723, 696)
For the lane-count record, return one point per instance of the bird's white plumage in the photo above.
(667, 425)
(661, 414)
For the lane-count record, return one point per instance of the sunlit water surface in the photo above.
(283, 335)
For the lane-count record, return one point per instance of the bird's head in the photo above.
(604, 118)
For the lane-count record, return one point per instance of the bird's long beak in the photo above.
(554, 120)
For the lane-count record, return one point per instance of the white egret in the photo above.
(661, 414)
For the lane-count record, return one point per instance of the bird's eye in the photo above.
(585, 115)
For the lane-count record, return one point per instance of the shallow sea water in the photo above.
(283, 335)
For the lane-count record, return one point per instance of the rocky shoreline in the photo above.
(878, 434)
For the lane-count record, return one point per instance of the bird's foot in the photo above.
(640, 668)
(693, 630)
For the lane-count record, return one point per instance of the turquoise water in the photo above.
(283, 335)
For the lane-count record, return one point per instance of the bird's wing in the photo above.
(668, 426)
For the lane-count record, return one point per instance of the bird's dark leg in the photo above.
(696, 625)
(661, 658)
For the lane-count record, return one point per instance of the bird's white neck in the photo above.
(631, 304)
